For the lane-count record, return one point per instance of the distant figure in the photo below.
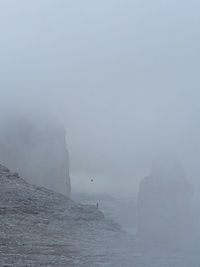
(92, 180)
(97, 205)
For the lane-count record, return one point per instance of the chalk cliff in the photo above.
(36, 149)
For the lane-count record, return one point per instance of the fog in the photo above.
(122, 76)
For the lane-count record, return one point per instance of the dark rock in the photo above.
(164, 204)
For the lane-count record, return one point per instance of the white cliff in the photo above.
(36, 148)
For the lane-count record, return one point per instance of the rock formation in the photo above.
(164, 203)
(36, 149)
(40, 227)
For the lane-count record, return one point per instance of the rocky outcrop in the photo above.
(36, 149)
(20, 198)
(40, 227)
(164, 204)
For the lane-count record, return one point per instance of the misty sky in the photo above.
(123, 76)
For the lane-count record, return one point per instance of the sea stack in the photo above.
(164, 203)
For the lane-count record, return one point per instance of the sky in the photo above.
(122, 76)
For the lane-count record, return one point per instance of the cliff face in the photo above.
(37, 150)
(164, 204)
